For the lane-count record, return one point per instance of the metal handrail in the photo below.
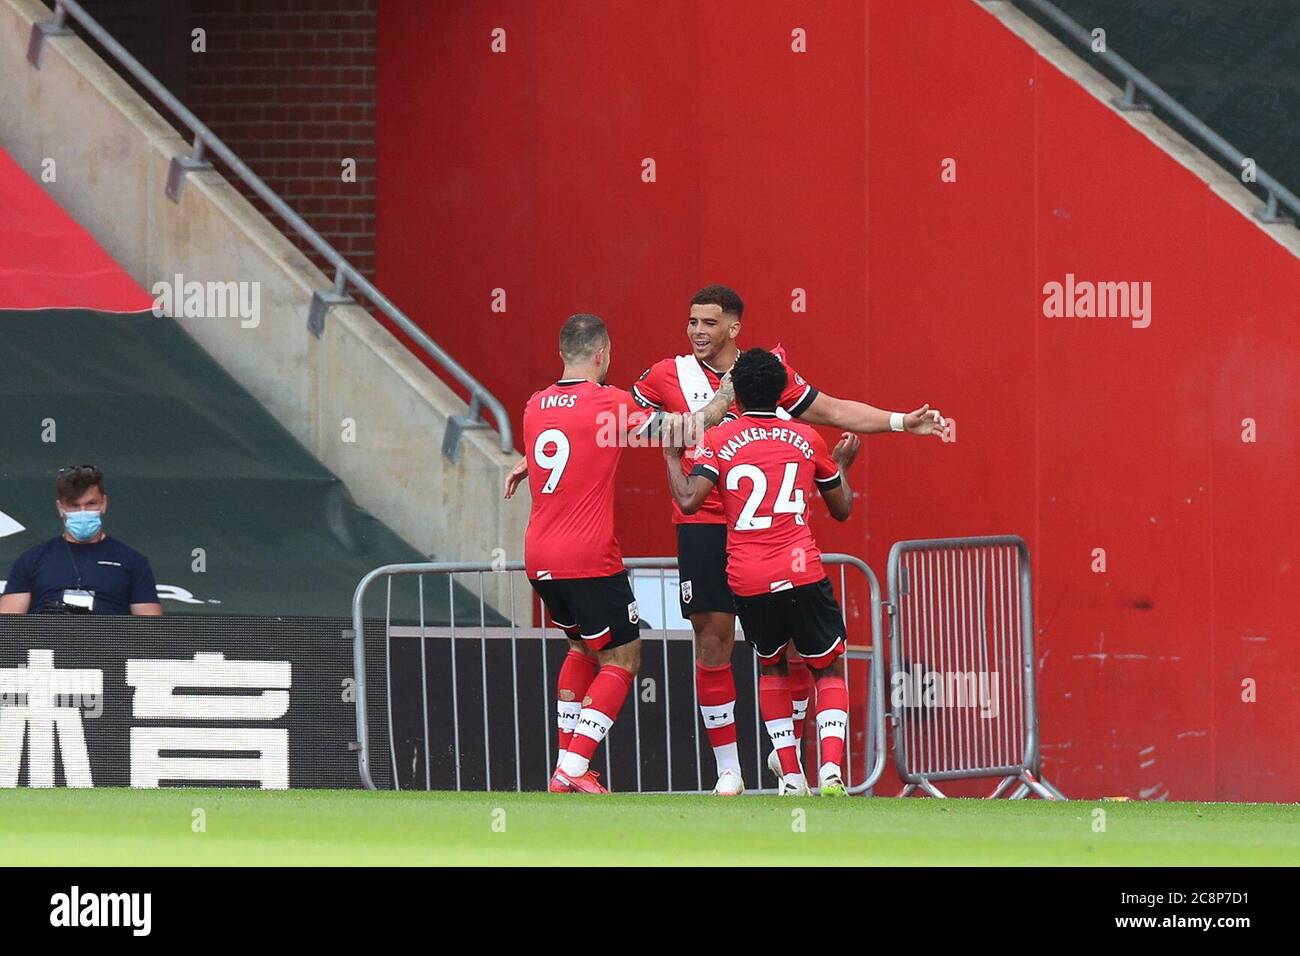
(1135, 80)
(345, 272)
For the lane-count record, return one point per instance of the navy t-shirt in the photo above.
(119, 576)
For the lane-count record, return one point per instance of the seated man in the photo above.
(83, 571)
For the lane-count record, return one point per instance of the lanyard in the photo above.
(76, 570)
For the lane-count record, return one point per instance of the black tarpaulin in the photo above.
(194, 467)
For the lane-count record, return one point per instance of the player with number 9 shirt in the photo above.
(574, 435)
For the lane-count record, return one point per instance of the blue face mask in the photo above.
(82, 525)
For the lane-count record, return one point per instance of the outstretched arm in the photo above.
(682, 430)
(685, 430)
(867, 419)
(690, 491)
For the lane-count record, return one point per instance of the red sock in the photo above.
(800, 690)
(832, 721)
(575, 676)
(774, 704)
(717, 692)
(606, 694)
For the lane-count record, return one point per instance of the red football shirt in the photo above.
(660, 387)
(765, 469)
(574, 435)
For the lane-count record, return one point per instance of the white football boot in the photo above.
(793, 785)
(830, 784)
(774, 765)
(730, 784)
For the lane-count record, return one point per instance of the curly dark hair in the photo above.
(759, 378)
(720, 295)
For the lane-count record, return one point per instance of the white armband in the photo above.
(896, 421)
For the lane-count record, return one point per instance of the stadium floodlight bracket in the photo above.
(322, 302)
(40, 31)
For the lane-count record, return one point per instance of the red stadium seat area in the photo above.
(48, 261)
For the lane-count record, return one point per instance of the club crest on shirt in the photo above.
(686, 592)
(633, 613)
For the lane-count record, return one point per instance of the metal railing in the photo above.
(344, 272)
(962, 664)
(1136, 82)
(525, 694)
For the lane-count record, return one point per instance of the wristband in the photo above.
(896, 421)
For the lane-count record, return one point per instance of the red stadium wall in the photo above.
(775, 171)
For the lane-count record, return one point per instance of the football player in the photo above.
(765, 469)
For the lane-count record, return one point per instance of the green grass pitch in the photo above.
(303, 827)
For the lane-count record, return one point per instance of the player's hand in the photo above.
(673, 452)
(924, 421)
(517, 474)
(846, 450)
(726, 388)
(675, 431)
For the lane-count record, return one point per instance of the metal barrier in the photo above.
(344, 272)
(525, 708)
(962, 672)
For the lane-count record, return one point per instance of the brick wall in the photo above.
(289, 85)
